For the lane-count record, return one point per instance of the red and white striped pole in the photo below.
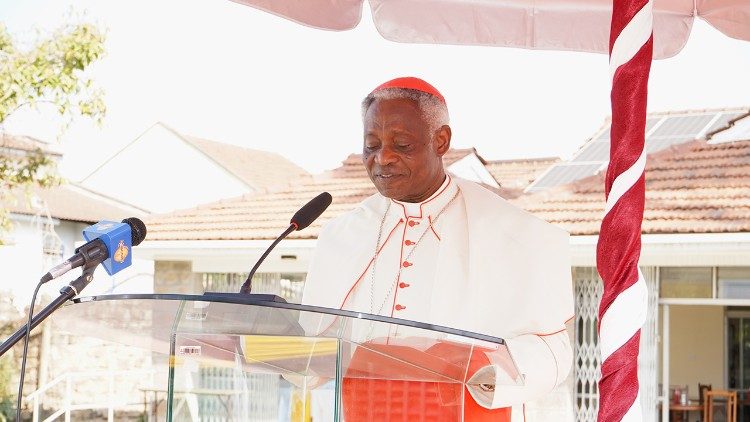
(622, 310)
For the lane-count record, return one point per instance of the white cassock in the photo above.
(465, 258)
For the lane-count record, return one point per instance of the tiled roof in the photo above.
(71, 202)
(694, 187)
(266, 215)
(26, 144)
(259, 216)
(517, 174)
(258, 169)
(663, 130)
(691, 188)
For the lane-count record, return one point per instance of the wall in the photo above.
(176, 277)
(470, 168)
(21, 260)
(696, 346)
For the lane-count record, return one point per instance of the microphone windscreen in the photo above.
(311, 210)
(137, 230)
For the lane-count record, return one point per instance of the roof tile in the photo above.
(694, 187)
(265, 215)
(258, 169)
(70, 202)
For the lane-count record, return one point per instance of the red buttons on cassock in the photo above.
(413, 223)
(400, 307)
(403, 285)
(407, 264)
(408, 242)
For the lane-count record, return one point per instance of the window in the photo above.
(734, 282)
(686, 282)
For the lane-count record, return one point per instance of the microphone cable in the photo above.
(25, 351)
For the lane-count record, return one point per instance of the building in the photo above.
(46, 227)
(213, 246)
(47, 222)
(206, 171)
(228, 236)
(696, 238)
(696, 234)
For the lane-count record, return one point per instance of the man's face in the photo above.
(403, 158)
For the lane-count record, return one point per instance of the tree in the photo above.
(51, 72)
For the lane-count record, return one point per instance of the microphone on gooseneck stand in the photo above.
(301, 219)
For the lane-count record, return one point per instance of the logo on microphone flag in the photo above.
(121, 253)
(118, 239)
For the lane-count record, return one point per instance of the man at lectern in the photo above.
(433, 248)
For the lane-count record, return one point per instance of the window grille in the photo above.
(587, 369)
(52, 246)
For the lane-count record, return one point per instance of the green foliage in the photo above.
(51, 72)
(20, 173)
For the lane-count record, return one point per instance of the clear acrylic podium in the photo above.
(252, 358)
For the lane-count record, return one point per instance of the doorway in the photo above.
(738, 358)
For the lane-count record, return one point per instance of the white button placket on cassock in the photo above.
(405, 268)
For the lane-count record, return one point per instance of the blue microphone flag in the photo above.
(118, 239)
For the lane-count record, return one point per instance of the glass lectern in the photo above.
(256, 358)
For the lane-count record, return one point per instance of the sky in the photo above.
(230, 73)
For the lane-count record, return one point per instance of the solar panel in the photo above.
(604, 136)
(671, 130)
(722, 121)
(595, 151)
(651, 122)
(565, 173)
(654, 145)
(683, 126)
(740, 131)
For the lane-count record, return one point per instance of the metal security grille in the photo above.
(256, 397)
(52, 247)
(587, 370)
(238, 396)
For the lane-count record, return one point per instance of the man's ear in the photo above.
(443, 140)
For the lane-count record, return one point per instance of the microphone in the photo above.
(108, 242)
(300, 220)
(311, 211)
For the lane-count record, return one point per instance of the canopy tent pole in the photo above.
(623, 307)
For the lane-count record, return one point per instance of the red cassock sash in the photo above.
(379, 384)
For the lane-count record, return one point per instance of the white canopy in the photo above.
(577, 25)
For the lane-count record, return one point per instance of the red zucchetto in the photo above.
(410, 82)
